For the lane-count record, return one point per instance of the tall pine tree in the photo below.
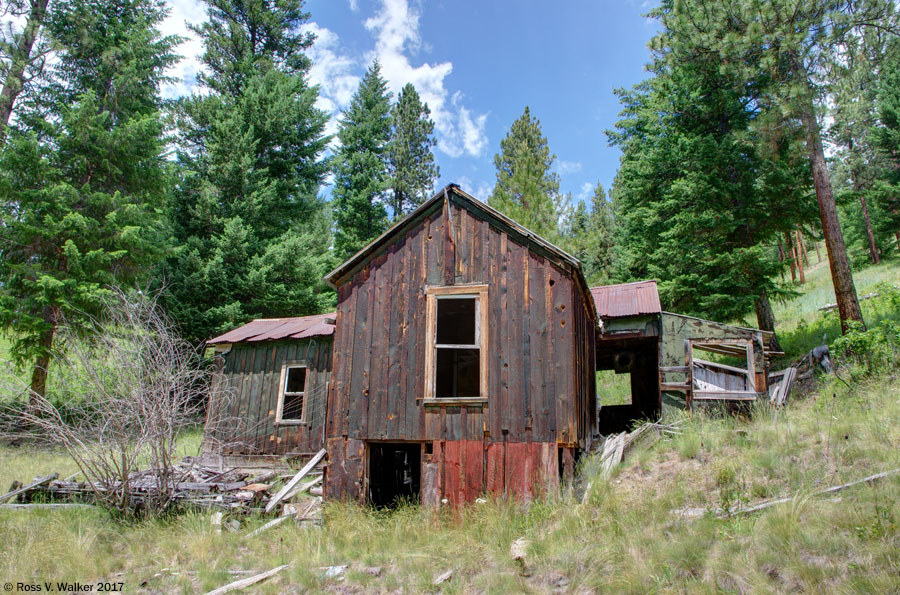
(252, 235)
(361, 176)
(858, 164)
(886, 141)
(789, 45)
(410, 159)
(527, 188)
(591, 237)
(698, 204)
(83, 174)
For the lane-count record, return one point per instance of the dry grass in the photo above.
(624, 538)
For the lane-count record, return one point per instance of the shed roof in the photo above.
(274, 329)
(626, 299)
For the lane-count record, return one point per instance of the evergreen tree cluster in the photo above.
(723, 147)
(385, 161)
(216, 200)
(213, 200)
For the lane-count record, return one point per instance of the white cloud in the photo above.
(586, 190)
(480, 190)
(191, 48)
(396, 30)
(568, 167)
(333, 71)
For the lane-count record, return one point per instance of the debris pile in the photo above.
(188, 484)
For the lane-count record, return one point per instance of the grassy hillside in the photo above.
(624, 535)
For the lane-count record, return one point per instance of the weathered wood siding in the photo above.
(251, 376)
(541, 361)
(677, 330)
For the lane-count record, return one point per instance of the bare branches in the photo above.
(126, 390)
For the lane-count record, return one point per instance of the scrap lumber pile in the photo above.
(616, 446)
(189, 485)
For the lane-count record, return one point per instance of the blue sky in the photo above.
(478, 63)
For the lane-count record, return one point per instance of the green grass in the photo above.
(800, 324)
(623, 538)
(612, 388)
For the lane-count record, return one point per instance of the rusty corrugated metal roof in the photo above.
(626, 299)
(273, 329)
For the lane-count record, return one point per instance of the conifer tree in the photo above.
(527, 189)
(251, 233)
(411, 160)
(83, 175)
(591, 237)
(700, 194)
(23, 52)
(886, 141)
(786, 46)
(858, 164)
(361, 177)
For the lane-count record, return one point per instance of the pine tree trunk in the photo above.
(873, 249)
(789, 254)
(765, 317)
(21, 56)
(818, 252)
(781, 260)
(844, 289)
(804, 248)
(798, 255)
(39, 374)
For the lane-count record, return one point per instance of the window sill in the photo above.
(454, 402)
(290, 422)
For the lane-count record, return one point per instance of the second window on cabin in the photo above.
(292, 399)
(457, 362)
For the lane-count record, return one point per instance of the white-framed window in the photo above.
(292, 394)
(456, 360)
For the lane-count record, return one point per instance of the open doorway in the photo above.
(628, 388)
(394, 472)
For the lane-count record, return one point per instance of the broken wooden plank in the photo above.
(267, 526)
(34, 484)
(722, 513)
(674, 386)
(443, 577)
(302, 488)
(246, 582)
(296, 479)
(44, 506)
(724, 395)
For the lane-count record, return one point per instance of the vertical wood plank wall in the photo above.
(541, 363)
(251, 375)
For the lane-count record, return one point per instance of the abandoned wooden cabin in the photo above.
(271, 391)
(463, 361)
(663, 354)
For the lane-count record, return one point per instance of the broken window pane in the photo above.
(457, 373)
(456, 321)
(293, 407)
(296, 380)
(294, 389)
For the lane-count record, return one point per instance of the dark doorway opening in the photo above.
(637, 359)
(394, 473)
